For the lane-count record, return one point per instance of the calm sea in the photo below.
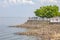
(7, 33)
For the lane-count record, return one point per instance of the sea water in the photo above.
(7, 33)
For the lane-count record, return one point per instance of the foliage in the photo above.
(47, 11)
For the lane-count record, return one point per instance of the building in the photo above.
(55, 20)
(51, 20)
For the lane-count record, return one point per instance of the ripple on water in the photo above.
(7, 33)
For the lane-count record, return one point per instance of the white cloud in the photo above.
(28, 1)
(12, 1)
(55, 1)
(49, 2)
(5, 3)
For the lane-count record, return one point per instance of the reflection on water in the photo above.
(7, 33)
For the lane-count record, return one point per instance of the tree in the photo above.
(47, 11)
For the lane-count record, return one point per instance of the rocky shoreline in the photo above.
(43, 29)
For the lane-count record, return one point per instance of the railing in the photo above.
(38, 18)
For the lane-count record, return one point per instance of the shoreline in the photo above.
(41, 29)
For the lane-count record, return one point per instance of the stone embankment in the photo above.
(33, 24)
(44, 29)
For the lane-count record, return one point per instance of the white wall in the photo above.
(54, 20)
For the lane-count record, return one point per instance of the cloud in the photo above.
(55, 1)
(50, 2)
(28, 1)
(5, 3)
(12, 1)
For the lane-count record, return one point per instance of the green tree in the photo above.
(47, 11)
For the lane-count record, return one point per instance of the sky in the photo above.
(23, 8)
